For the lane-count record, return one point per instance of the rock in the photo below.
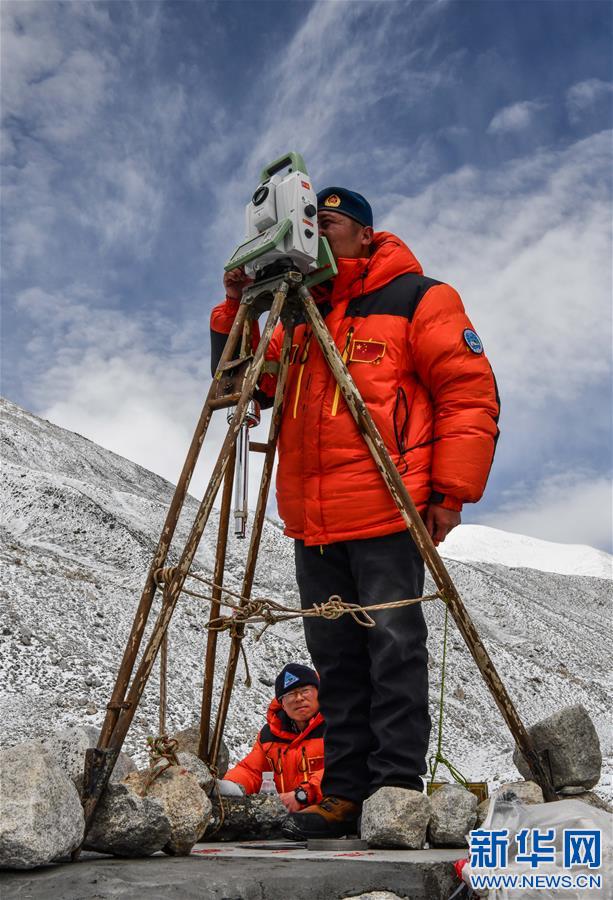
(396, 817)
(375, 895)
(454, 813)
(68, 746)
(187, 807)
(571, 740)
(255, 817)
(91, 709)
(592, 799)
(482, 810)
(526, 791)
(195, 765)
(126, 824)
(189, 740)
(41, 817)
(25, 636)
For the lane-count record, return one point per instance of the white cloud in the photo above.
(528, 246)
(584, 95)
(515, 117)
(127, 382)
(571, 507)
(128, 204)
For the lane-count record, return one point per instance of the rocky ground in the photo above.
(78, 528)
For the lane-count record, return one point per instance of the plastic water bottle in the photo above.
(268, 783)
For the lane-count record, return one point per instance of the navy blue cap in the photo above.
(293, 676)
(348, 203)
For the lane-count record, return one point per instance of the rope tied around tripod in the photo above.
(268, 611)
(162, 755)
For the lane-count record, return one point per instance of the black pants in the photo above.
(374, 681)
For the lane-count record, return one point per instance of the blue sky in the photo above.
(133, 134)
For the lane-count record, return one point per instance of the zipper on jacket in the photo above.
(303, 358)
(401, 408)
(344, 356)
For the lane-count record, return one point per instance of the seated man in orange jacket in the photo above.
(290, 744)
(422, 371)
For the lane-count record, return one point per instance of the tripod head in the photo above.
(281, 225)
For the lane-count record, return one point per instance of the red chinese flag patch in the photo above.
(367, 351)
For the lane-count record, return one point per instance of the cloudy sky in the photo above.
(133, 134)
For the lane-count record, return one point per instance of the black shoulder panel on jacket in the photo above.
(400, 297)
(267, 736)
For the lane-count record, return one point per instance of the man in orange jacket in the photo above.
(421, 369)
(290, 744)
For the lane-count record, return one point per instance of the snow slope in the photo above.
(77, 530)
(479, 543)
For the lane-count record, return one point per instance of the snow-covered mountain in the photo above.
(79, 525)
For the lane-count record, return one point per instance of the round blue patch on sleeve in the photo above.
(473, 341)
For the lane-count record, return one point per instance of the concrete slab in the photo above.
(241, 872)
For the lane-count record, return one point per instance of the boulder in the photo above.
(126, 824)
(199, 769)
(255, 817)
(41, 817)
(188, 740)
(572, 743)
(526, 791)
(187, 807)
(396, 817)
(454, 813)
(482, 810)
(68, 746)
(592, 799)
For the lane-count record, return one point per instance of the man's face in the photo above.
(347, 238)
(302, 703)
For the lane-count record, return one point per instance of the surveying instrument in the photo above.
(285, 256)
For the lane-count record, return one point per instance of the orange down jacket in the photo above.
(296, 759)
(417, 362)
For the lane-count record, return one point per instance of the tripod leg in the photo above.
(422, 538)
(254, 544)
(171, 594)
(211, 641)
(144, 607)
(100, 756)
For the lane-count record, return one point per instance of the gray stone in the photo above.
(68, 746)
(189, 740)
(195, 765)
(571, 740)
(454, 813)
(126, 824)
(254, 817)
(41, 817)
(187, 807)
(482, 810)
(376, 895)
(592, 799)
(527, 791)
(396, 817)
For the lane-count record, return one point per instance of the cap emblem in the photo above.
(333, 200)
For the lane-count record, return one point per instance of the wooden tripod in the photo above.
(234, 384)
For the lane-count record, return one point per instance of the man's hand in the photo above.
(440, 521)
(234, 281)
(290, 802)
